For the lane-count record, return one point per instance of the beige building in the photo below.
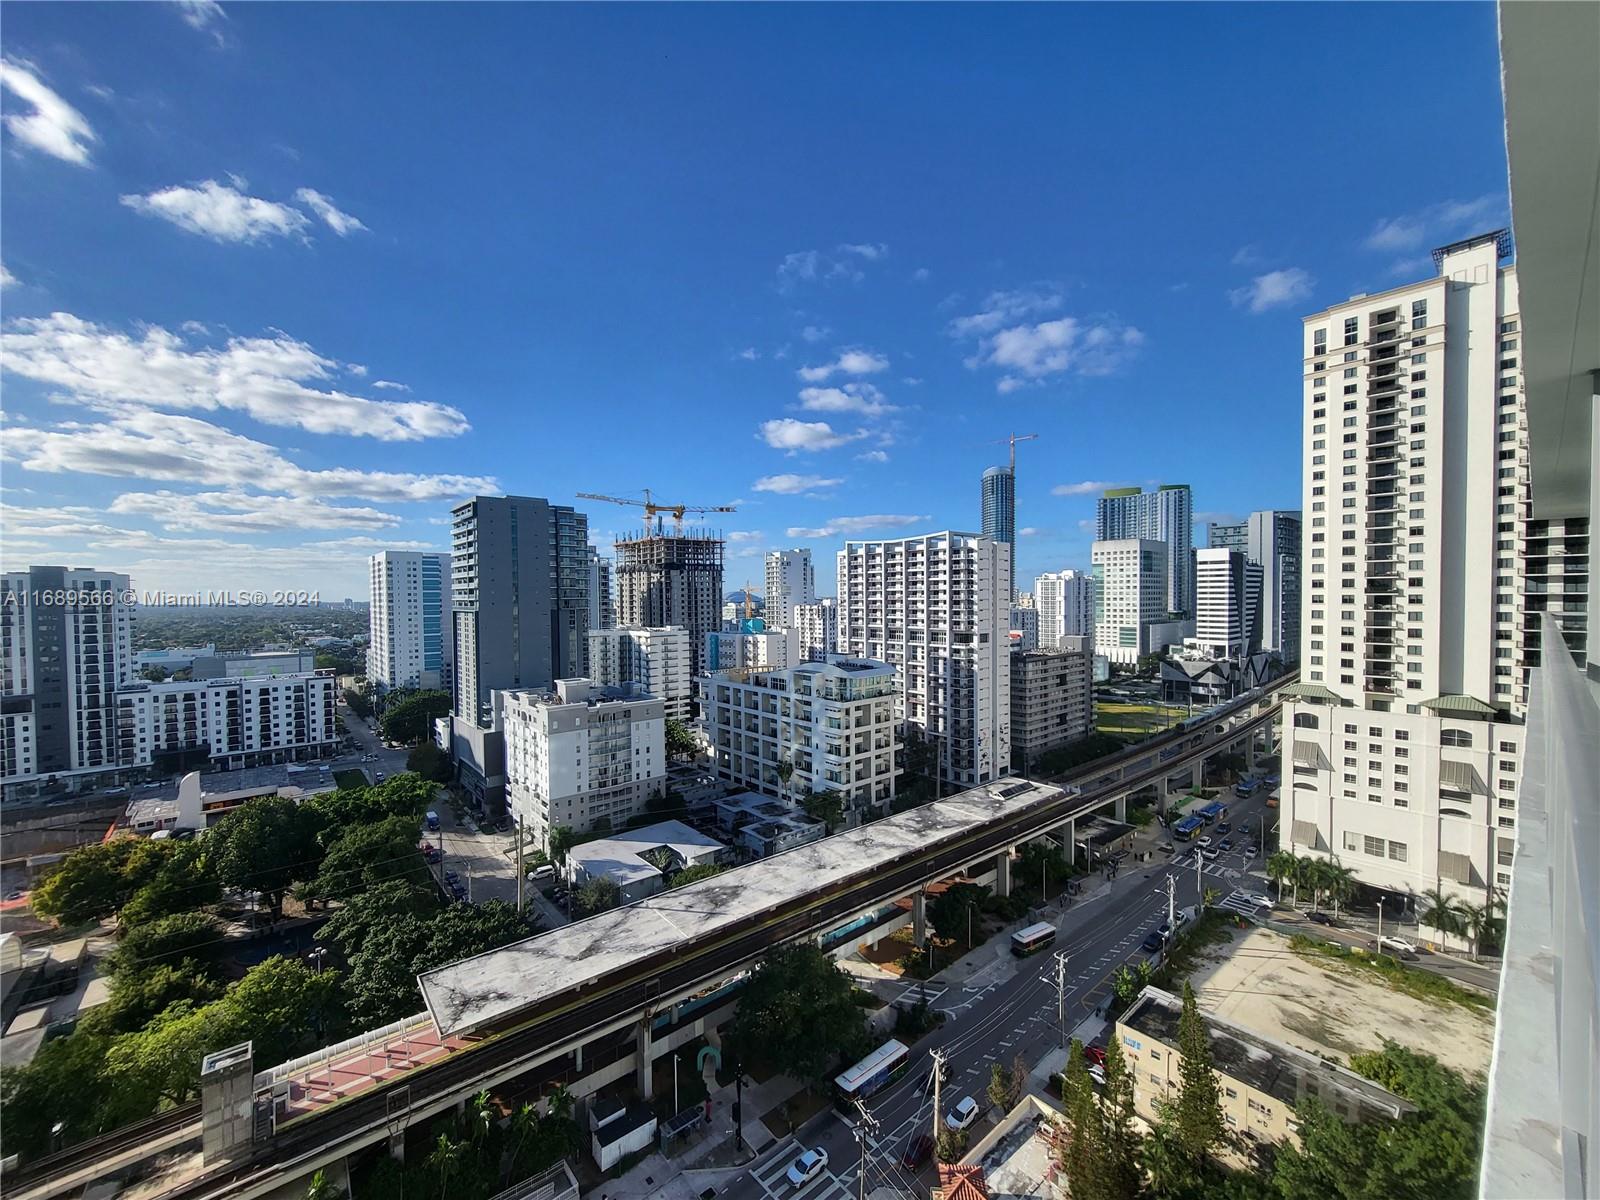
(1260, 1080)
(1051, 702)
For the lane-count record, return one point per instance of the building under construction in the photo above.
(674, 579)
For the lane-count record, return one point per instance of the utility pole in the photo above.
(938, 1106)
(1172, 904)
(516, 832)
(867, 1127)
(1061, 994)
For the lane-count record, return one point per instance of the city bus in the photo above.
(1213, 812)
(884, 1065)
(1185, 829)
(1032, 939)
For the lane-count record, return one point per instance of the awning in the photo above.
(1310, 691)
(1455, 866)
(1461, 777)
(1304, 833)
(1459, 706)
(1309, 754)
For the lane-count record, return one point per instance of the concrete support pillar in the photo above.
(1250, 755)
(646, 1063)
(1072, 841)
(1002, 873)
(1122, 807)
(919, 917)
(577, 1059)
(397, 1146)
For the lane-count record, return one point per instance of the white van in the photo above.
(539, 874)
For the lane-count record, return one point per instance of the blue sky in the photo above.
(283, 280)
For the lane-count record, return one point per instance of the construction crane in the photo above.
(653, 510)
(1013, 440)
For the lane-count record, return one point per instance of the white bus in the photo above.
(1032, 939)
(885, 1064)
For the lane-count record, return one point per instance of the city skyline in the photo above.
(311, 348)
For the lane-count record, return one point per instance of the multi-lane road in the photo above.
(1005, 1010)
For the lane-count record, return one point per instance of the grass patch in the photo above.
(350, 778)
(1212, 928)
(1419, 984)
(1137, 720)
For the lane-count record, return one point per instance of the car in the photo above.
(1258, 899)
(15, 894)
(379, 774)
(1253, 849)
(544, 872)
(1224, 827)
(1096, 1055)
(1319, 918)
(1165, 847)
(962, 1115)
(1206, 852)
(1097, 1073)
(1225, 844)
(918, 1150)
(1394, 945)
(1153, 940)
(1117, 856)
(1203, 840)
(1272, 801)
(451, 877)
(808, 1166)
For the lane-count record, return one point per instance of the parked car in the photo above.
(808, 1166)
(544, 872)
(1224, 827)
(451, 877)
(1203, 840)
(918, 1150)
(1253, 849)
(1225, 844)
(1165, 847)
(1153, 941)
(1096, 1055)
(962, 1115)
(1319, 918)
(1393, 945)
(1259, 899)
(1097, 1073)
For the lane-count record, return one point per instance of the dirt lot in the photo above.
(1261, 983)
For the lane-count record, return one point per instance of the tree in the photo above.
(365, 855)
(1338, 884)
(1081, 1156)
(184, 881)
(796, 1014)
(1440, 912)
(323, 1188)
(154, 672)
(265, 845)
(951, 1145)
(286, 1009)
(785, 772)
(1198, 1111)
(599, 894)
(696, 873)
(827, 807)
(1128, 982)
(1478, 921)
(1003, 1092)
(558, 841)
(949, 912)
(136, 996)
(412, 719)
(167, 940)
(430, 762)
(385, 903)
(67, 1081)
(1280, 867)
(96, 880)
(681, 742)
(1119, 1141)
(358, 702)
(164, 1057)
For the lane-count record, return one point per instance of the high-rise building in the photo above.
(228, 722)
(1000, 512)
(1051, 702)
(1272, 539)
(1164, 515)
(1065, 600)
(671, 579)
(519, 597)
(1405, 731)
(1130, 597)
(936, 607)
(602, 603)
(657, 660)
(791, 580)
(832, 722)
(816, 630)
(1227, 604)
(66, 645)
(410, 643)
(581, 756)
(1228, 535)
(1024, 626)
(750, 645)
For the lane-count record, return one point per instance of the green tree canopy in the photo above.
(412, 719)
(358, 702)
(1081, 1156)
(696, 873)
(98, 879)
(1119, 1170)
(1198, 1111)
(265, 845)
(598, 894)
(827, 807)
(681, 741)
(382, 904)
(67, 1081)
(948, 911)
(365, 855)
(429, 762)
(136, 996)
(796, 1014)
(166, 941)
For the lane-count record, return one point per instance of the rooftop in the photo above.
(621, 856)
(492, 987)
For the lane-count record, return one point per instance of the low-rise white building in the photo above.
(761, 826)
(228, 723)
(657, 658)
(751, 647)
(832, 722)
(581, 754)
(639, 860)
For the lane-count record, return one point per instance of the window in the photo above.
(1350, 841)
(1455, 737)
(1397, 851)
(1373, 845)
(1305, 720)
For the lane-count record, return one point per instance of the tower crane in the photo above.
(653, 509)
(1013, 440)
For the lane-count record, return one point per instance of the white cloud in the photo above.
(871, 251)
(1418, 265)
(921, 275)
(7, 279)
(860, 398)
(53, 126)
(204, 15)
(341, 223)
(872, 456)
(843, 264)
(793, 485)
(239, 512)
(267, 378)
(1273, 290)
(785, 433)
(849, 362)
(1087, 488)
(160, 447)
(1437, 222)
(390, 385)
(1001, 308)
(1029, 353)
(1086, 526)
(1248, 256)
(836, 526)
(746, 535)
(219, 212)
(1028, 531)
(815, 333)
(749, 354)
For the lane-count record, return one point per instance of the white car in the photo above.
(1395, 945)
(1203, 840)
(1258, 899)
(1097, 1073)
(1207, 853)
(963, 1114)
(808, 1166)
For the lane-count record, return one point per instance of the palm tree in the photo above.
(559, 1103)
(480, 1117)
(1476, 920)
(1280, 867)
(1339, 881)
(1209, 897)
(1441, 912)
(785, 773)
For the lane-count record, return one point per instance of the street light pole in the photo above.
(1380, 921)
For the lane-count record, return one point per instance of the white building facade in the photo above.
(410, 644)
(227, 723)
(581, 756)
(752, 646)
(1065, 600)
(1165, 515)
(657, 659)
(833, 723)
(791, 580)
(1404, 734)
(937, 607)
(1227, 604)
(1130, 596)
(816, 629)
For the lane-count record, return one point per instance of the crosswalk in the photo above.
(1239, 902)
(773, 1177)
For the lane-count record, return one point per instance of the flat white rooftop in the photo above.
(499, 984)
(619, 856)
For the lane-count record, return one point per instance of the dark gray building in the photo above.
(674, 579)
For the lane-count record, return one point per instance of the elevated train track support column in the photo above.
(645, 1061)
(919, 916)
(1002, 872)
